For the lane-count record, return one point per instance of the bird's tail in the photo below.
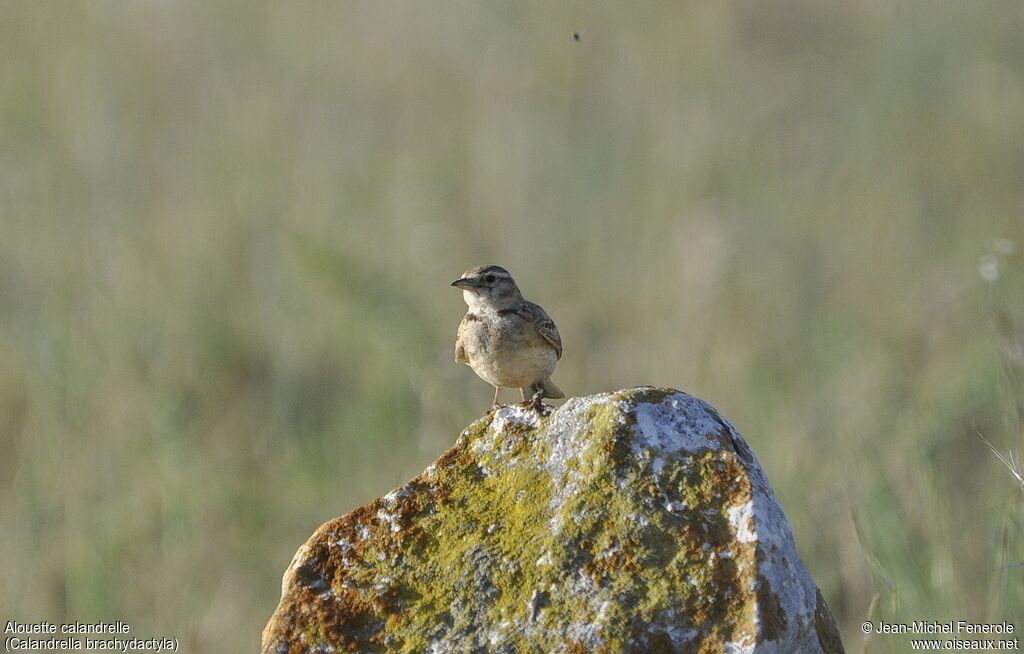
(551, 391)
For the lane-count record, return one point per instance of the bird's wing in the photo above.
(460, 351)
(544, 324)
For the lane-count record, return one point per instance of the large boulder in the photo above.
(636, 521)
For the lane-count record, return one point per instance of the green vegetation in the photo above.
(227, 229)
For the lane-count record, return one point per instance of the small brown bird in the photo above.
(507, 340)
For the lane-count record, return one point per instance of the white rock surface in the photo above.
(636, 521)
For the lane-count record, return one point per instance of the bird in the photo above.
(507, 340)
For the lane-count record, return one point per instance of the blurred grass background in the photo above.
(228, 230)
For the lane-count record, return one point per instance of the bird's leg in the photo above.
(537, 401)
(497, 389)
(527, 402)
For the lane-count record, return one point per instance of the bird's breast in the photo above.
(507, 351)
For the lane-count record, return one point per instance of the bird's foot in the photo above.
(496, 406)
(537, 403)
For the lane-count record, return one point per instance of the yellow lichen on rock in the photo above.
(635, 521)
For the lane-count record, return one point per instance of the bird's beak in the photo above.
(462, 282)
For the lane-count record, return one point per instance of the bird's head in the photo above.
(488, 288)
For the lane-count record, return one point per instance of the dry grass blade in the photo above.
(1007, 461)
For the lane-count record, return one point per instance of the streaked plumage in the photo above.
(507, 341)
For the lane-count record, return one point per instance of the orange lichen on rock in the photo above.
(636, 521)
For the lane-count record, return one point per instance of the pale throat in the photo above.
(484, 304)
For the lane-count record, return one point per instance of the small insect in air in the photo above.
(576, 37)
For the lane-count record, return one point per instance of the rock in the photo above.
(636, 521)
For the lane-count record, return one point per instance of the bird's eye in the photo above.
(489, 279)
